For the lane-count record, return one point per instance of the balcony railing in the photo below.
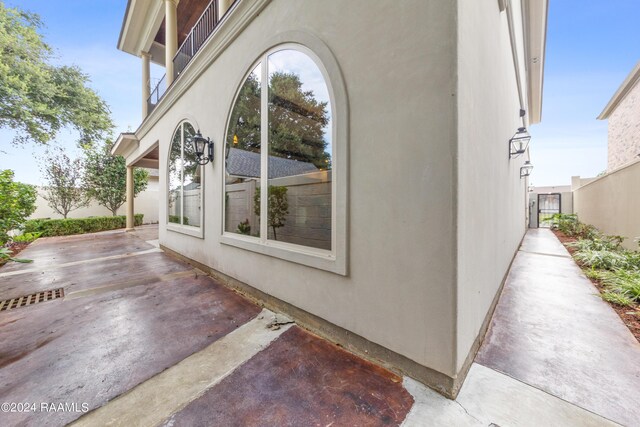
(157, 93)
(196, 38)
(198, 35)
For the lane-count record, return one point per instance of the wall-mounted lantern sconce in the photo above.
(201, 144)
(526, 169)
(519, 143)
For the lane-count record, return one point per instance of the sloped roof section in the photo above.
(247, 164)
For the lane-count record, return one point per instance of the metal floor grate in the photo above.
(25, 300)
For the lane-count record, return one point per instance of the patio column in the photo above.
(223, 6)
(170, 36)
(146, 77)
(130, 218)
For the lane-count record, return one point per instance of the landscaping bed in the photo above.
(15, 248)
(613, 270)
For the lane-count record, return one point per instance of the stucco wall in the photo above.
(612, 203)
(491, 195)
(397, 60)
(624, 131)
(145, 203)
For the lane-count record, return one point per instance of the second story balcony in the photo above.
(168, 33)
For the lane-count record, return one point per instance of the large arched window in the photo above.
(279, 155)
(185, 179)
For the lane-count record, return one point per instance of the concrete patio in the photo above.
(141, 338)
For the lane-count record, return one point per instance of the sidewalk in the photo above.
(552, 331)
(141, 338)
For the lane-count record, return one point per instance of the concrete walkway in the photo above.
(551, 330)
(141, 339)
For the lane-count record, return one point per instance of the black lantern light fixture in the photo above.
(519, 143)
(526, 169)
(200, 146)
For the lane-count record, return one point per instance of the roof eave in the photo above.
(623, 90)
(126, 143)
(535, 18)
(140, 25)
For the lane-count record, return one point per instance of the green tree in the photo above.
(106, 176)
(296, 120)
(63, 176)
(278, 207)
(17, 202)
(38, 98)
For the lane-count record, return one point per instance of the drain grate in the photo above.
(23, 301)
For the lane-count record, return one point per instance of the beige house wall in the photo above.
(430, 102)
(398, 68)
(491, 216)
(612, 202)
(624, 130)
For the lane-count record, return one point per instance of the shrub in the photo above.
(244, 227)
(17, 202)
(176, 219)
(65, 227)
(26, 237)
(621, 286)
(598, 243)
(604, 259)
(569, 225)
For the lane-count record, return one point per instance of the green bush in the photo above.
(621, 286)
(17, 202)
(569, 225)
(65, 227)
(27, 237)
(176, 219)
(598, 243)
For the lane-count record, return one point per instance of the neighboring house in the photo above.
(397, 244)
(611, 202)
(623, 116)
(146, 204)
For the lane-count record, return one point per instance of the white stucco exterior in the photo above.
(431, 208)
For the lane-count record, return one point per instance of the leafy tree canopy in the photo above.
(296, 120)
(105, 178)
(37, 98)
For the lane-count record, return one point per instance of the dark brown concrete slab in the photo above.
(146, 232)
(59, 250)
(92, 349)
(134, 270)
(301, 380)
(551, 330)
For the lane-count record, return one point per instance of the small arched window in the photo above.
(185, 179)
(279, 153)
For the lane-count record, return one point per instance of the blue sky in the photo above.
(591, 47)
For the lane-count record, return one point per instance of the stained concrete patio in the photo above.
(143, 339)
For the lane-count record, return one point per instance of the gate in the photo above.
(548, 205)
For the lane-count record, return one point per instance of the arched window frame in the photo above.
(334, 260)
(195, 231)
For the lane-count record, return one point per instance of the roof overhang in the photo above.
(126, 144)
(535, 14)
(626, 86)
(140, 25)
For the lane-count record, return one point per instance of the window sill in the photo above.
(316, 258)
(186, 229)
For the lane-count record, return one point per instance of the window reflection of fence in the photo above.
(309, 220)
(191, 206)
